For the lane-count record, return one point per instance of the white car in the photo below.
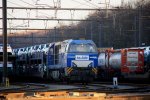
(46, 47)
(15, 51)
(40, 49)
(9, 49)
(20, 51)
(34, 48)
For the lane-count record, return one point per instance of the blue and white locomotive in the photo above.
(67, 60)
(72, 60)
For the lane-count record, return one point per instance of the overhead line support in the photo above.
(4, 11)
(82, 9)
(51, 19)
(44, 8)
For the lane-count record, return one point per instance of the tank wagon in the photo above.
(123, 63)
(146, 67)
(71, 60)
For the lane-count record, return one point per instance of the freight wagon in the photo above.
(123, 63)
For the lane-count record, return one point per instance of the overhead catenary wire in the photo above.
(81, 3)
(15, 3)
(31, 8)
(21, 6)
(27, 3)
(91, 3)
(52, 8)
(28, 14)
(55, 15)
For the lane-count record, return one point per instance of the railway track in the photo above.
(24, 87)
(50, 85)
(74, 90)
(106, 87)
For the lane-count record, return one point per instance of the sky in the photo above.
(50, 13)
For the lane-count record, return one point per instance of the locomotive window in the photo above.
(82, 48)
(63, 48)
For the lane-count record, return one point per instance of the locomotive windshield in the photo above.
(82, 48)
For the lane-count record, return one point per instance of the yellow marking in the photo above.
(7, 82)
(69, 70)
(94, 70)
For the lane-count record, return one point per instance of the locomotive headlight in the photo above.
(90, 65)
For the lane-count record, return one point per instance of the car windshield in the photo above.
(28, 48)
(36, 47)
(42, 46)
(82, 48)
(21, 49)
(47, 45)
(25, 49)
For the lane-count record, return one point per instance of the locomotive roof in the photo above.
(79, 41)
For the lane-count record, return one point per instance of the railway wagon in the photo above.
(27, 62)
(69, 60)
(10, 61)
(135, 68)
(36, 64)
(109, 62)
(146, 54)
(21, 62)
(123, 63)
